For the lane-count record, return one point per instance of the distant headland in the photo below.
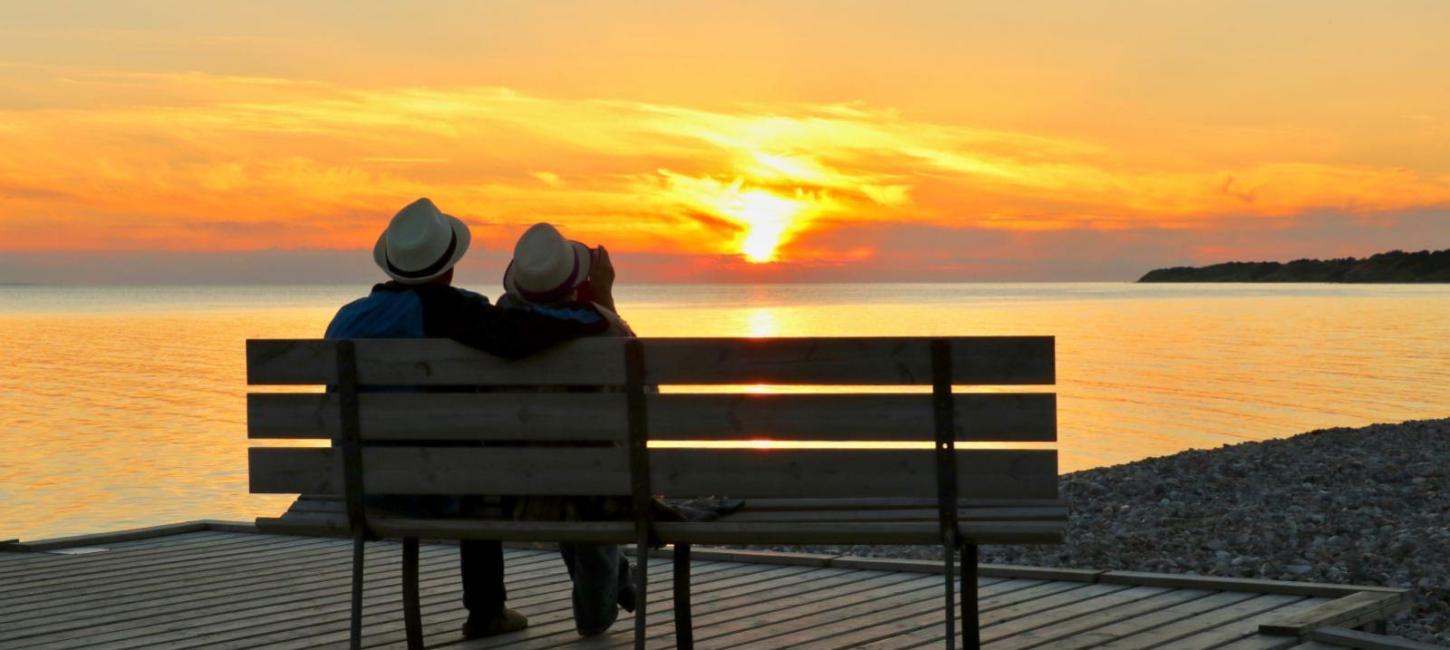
(1394, 266)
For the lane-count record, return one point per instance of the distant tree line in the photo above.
(1394, 266)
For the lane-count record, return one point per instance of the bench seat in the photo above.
(759, 521)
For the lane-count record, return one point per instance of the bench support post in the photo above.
(349, 442)
(684, 630)
(944, 417)
(412, 609)
(642, 498)
(355, 628)
(971, 627)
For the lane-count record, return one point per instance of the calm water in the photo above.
(124, 407)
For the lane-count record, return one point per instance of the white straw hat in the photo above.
(421, 243)
(546, 267)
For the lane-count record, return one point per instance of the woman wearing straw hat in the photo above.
(549, 271)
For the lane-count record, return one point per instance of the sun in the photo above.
(766, 218)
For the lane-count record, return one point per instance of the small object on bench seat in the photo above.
(403, 443)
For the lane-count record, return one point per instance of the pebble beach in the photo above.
(1368, 506)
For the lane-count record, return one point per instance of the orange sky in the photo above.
(791, 140)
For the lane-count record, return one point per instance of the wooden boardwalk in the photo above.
(214, 588)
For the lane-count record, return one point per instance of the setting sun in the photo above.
(766, 218)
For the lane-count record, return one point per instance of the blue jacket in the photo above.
(396, 310)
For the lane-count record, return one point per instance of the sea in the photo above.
(125, 406)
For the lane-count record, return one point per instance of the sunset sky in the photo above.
(721, 141)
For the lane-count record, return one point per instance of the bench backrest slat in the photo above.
(982, 474)
(445, 470)
(985, 417)
(599, 361)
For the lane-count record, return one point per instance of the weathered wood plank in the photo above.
(92, 575)
(1261, 642)
(1153, 599)
(1004, 532)
(922, 624)
(1002, 417)
(1156, 618)
(786, 503)
(1344, 637)
(844, 473)
(1239, 584)
(559, 631)
(772, 629)
(898, 619)
(235, 627)
(142, 585)
(56, 561)
(728, 628)
(115, 620)
(600, 361)
(1348, 611)
(725, 607)
(1239, 630)
(975, 360)
(445, 470)
(266, 583)
(985, 473)
(386, 629)
(1157, 636)
(1004, 623)
(912, 514)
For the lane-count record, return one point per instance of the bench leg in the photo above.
(641, 589)
(971, 631)
(684, 630)
(355, 630)
(950, 575)
(412, 609)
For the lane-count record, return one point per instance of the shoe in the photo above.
(626, 594)
(507, 621)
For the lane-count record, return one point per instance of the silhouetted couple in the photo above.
(557, 290)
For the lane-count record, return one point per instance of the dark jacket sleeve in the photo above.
(509, 333)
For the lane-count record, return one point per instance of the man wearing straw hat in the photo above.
(418, 251)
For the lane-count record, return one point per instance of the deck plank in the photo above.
(839, 599)
(1166, 616)
(1177, 630)
(250, 611)
(153, 585)
(758, 591)
(716, 614)
(556, 625)
(1100, 617)
(874, 617)
(1245, 628)
(327, 626)
(927, 626)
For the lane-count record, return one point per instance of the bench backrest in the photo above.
(419, 398)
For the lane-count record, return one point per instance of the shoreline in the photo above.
(1368, 505)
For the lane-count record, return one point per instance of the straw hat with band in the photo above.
(546, 267)
(421, 243)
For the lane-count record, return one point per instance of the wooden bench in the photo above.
(395, 403)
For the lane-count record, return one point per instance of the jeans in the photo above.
(600, 574)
